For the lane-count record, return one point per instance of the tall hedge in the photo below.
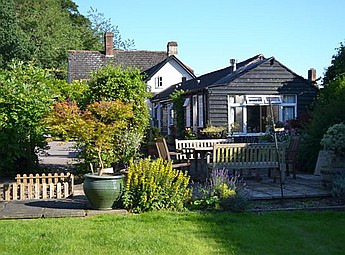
(24, 100)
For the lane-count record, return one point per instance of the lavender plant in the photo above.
(223, 191)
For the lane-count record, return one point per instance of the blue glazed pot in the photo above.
(103, 192)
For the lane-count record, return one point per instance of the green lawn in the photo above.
(179, 233)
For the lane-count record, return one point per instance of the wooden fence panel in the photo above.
(39, 187)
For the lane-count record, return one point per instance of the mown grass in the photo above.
(179, 233)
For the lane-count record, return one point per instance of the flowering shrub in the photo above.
(155, 185)
(222, 191)
(213, 131)
(334, 139)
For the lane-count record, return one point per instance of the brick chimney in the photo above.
(172, 48)
(312, 75)
(108, 44)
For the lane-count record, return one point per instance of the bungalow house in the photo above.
(240, 98)
(161, 69)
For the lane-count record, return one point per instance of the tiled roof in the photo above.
(140, 59)
(81, 62)
(212, 78)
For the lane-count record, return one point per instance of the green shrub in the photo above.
(338, 187)
(334, 139)
(329, 109)
(25, 98)
(155, 185)
(222, 191)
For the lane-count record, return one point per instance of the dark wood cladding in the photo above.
(266, 79)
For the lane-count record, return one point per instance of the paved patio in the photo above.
(304, 186)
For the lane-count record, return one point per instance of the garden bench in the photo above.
(242, 156)
(206, 144)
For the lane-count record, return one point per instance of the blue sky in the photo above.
(299, 33)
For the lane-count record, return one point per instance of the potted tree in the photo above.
(110, 128)
(96, 130)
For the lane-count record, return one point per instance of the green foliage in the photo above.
(100, 25)
(337, 67)
(43, 31)
(154, 185)
(126, 85)
(334, 139)
(48, 29)
(178, 101)
(11, 41)
(329, 110)
(189, 134)
(222, 191)
(211, 131)
(338, 187)
(24, 100)
(96, 128)
(70, 92)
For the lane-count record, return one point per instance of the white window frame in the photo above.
(288, 104)
(195, 112)
(200, 111)
(186, 105)
(158, 82)
(262, 99)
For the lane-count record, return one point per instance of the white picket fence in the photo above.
(39, 187)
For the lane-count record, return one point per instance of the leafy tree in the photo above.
(70, 92)
(329, 109)
(24, 100)
(337, 67)
(44, 30)
(11, 42)
(50, 32)
(100, 25)
(107, 85)
(127, 85)
(96, 128)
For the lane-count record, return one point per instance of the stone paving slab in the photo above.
(17, 210)
(76, 206)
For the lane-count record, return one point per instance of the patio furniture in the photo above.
(200, 145)
(291, 156)
(163, 152)
(242, 156)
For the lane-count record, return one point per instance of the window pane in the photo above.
(288, 113)
(289, 99)
(200, 111)
(188, 115)
(254, 99)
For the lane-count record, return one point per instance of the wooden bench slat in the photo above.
(240, 156)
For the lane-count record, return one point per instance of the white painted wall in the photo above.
(171, 74)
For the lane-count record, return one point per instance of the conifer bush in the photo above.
(155, 185)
